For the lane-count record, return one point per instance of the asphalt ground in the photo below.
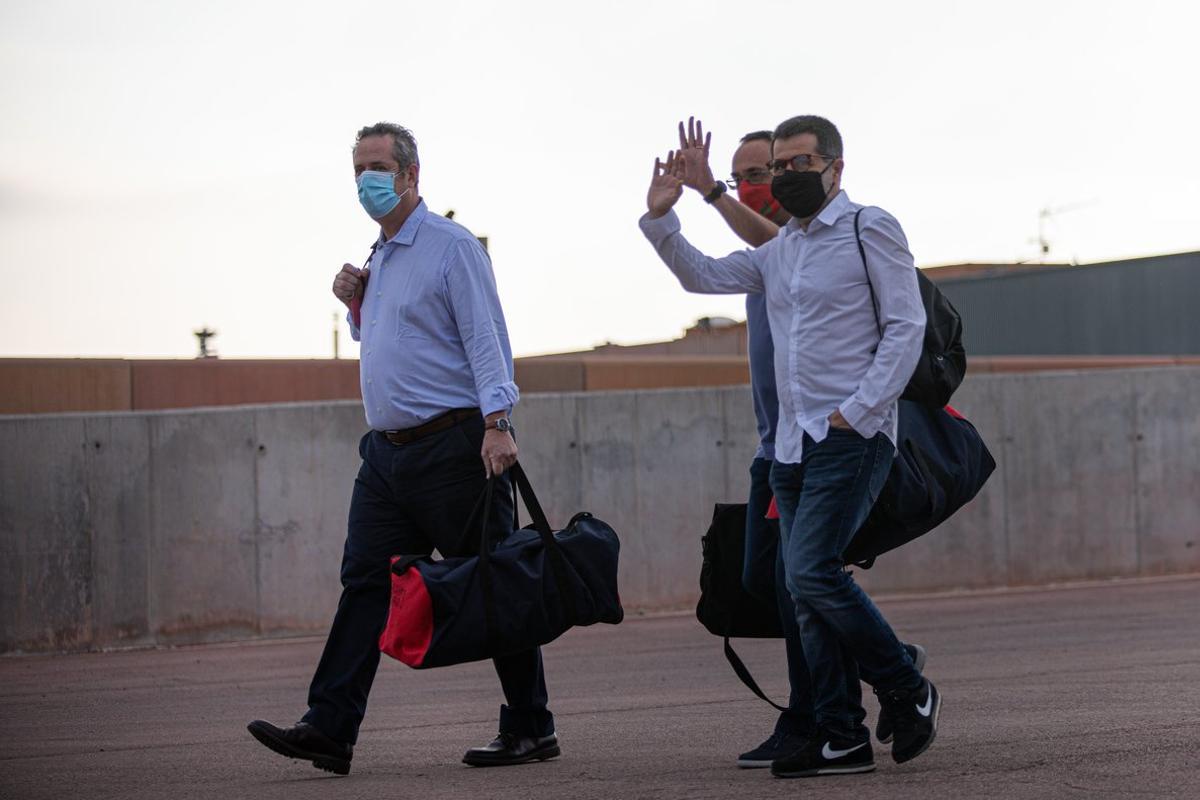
(1090, 691)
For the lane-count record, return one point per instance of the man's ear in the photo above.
(414, 174)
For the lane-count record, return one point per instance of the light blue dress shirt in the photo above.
(762, 374)
(830, 351)
(433, 334)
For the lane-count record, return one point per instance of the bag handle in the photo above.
(485, 555)
(744, 674)
(540, 523)
(558, 562)
(521, 487)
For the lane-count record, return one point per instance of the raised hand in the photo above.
(693, 152)
(665, 186)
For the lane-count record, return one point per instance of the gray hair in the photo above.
(829, 141)
(404, 146)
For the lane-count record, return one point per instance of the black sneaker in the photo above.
(825, 755)
(883, 728)
(779, 745)
(914, 715)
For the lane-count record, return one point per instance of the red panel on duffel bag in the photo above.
(409, 628)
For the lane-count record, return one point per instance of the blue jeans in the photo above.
(822, 502)
(410, 499)
(763, 577)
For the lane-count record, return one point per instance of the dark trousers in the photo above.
(411, 499)
(763, 576)
(822, 502)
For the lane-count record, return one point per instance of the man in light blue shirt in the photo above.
(840, 365)
(437, 383)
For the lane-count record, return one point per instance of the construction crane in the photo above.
(1048, 213)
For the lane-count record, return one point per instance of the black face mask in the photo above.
(800, 193)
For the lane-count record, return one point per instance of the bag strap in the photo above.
(540, 523)
(485, 560)
(863, 253)
(744, 674)
(558, 561)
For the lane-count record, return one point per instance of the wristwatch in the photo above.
(717, 191)
(504, 425)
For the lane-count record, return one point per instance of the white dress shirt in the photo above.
(830, 352)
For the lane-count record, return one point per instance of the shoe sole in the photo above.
(937, 709)
(544, 755)
(338, 766)
(746, 763)
(919, 663)
(849, 769)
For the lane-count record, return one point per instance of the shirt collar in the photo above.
(836, 208)
(408, 231)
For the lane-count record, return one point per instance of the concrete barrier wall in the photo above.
(205, 525)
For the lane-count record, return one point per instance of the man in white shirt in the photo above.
(847, 336)
(756, 216)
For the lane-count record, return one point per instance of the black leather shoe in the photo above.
(305, 742)
(509, 748)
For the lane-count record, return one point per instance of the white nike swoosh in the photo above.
(829, 753)
(924, 710)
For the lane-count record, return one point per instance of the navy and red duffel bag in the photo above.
(517, 594)
(941, 464)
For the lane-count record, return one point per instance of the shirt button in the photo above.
(379, 294)
(368, 352)
(369, 380)
(372, 322)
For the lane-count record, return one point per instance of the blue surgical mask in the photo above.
(377, 192)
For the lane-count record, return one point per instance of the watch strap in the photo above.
(717, 190)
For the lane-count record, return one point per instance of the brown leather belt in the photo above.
(438, 424)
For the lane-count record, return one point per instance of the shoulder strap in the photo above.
(863, 253)
(740, 669)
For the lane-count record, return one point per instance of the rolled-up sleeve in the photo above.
(475, 304)
(893, 275)
(736, 273)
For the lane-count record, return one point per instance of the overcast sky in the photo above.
(167, 165)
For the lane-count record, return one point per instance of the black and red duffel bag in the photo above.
(516, 594)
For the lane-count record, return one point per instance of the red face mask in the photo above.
(758, 196)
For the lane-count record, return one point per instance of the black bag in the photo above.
(726, 609)
(526, 591)
(941, 464)
(943, 362)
